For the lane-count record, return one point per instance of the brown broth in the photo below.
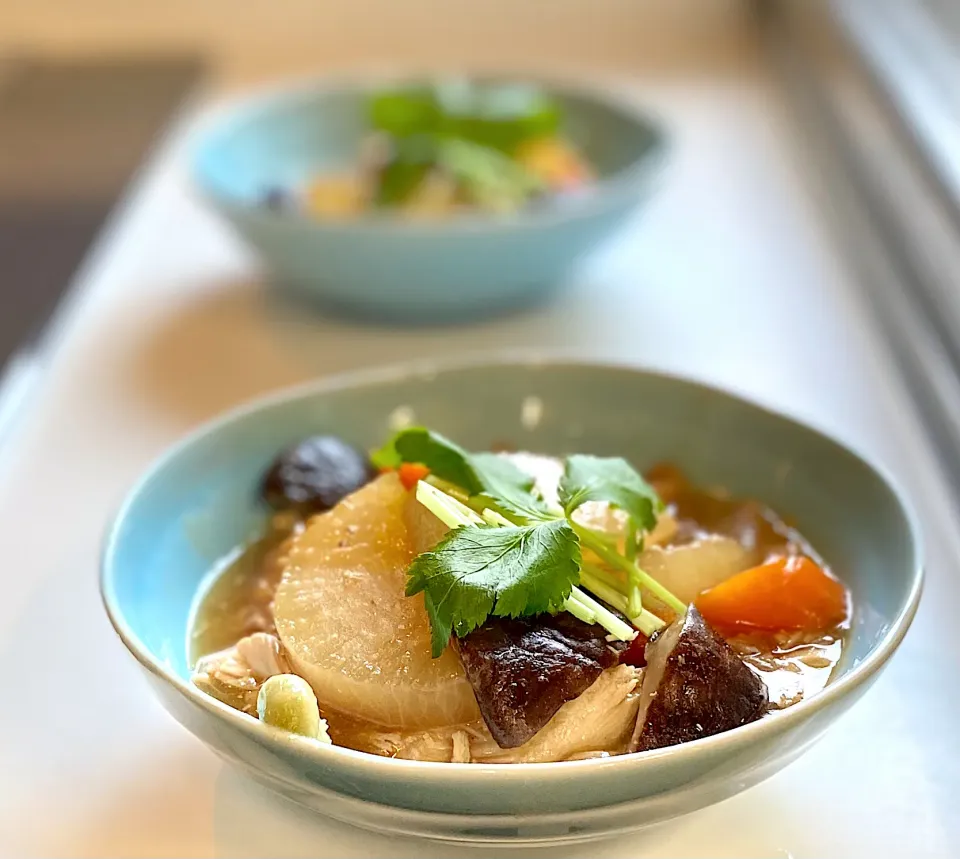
(700, 512)
(239, 599)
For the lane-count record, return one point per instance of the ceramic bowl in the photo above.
(383, 267)
(200, 501)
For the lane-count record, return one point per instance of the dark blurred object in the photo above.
(72, 134)
(316, 474)
(875, 87)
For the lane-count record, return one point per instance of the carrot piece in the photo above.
(554, 162)
(411, 473)
(788, 593)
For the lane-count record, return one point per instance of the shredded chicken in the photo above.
(600, 720)
(597, 723)
(235, 675)
(461, 748)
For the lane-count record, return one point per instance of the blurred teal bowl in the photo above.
(384, 267)
(201, 500)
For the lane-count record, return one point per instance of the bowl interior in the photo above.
(283, 139)
(201, 500)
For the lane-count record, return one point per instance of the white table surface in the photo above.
(730, 276)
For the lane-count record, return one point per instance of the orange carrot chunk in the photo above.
(411, 473)
(785, 594)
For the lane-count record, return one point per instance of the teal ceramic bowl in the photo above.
(391, 269)
(200, 501)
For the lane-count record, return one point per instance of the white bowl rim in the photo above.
(393, 769)
(240, 107)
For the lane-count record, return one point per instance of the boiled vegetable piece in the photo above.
(689, 569)
(524, 670)
(694, 686)
(788, 593)
(286, 701)
(315, 474)
(348, 628)
(411, 474)
(554, 161)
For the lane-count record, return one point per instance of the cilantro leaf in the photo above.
(445, 458)
(509, 490)
(500, 484)
(610, 479)
(386, 457)
(478, 571)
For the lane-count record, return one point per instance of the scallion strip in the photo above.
(448, 510)
(579, 610)
(630, 540)
(635, 598)
(606, 618)
(592, 542)
(612, 580)
(646, 621)
(603, 590)
(448, 488)
(492, 517)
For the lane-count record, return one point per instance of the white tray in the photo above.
(732, 275)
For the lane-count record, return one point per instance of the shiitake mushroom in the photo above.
(315, 474)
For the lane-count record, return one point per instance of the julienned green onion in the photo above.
(634, 597)
(447, 488)
(592, 578)
(446, 508)
(589, 539)
(630, 540)
(607, 619)
(580, 611)
(492, 517)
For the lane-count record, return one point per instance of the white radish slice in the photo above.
(693, 567)
(350, 631)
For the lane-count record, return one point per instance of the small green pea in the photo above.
(286, 701)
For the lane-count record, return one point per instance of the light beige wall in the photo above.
(258, 38)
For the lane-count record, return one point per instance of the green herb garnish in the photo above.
(468, 133)
(482, 570)
(413, 158)
(499, 116)
(496, 481)
(488, 177)
(614, 480)
(511, 553)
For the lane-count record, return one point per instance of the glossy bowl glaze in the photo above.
(201, 500)
(382, 266)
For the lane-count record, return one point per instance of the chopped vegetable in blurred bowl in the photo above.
(431, 202)
(451, 148)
